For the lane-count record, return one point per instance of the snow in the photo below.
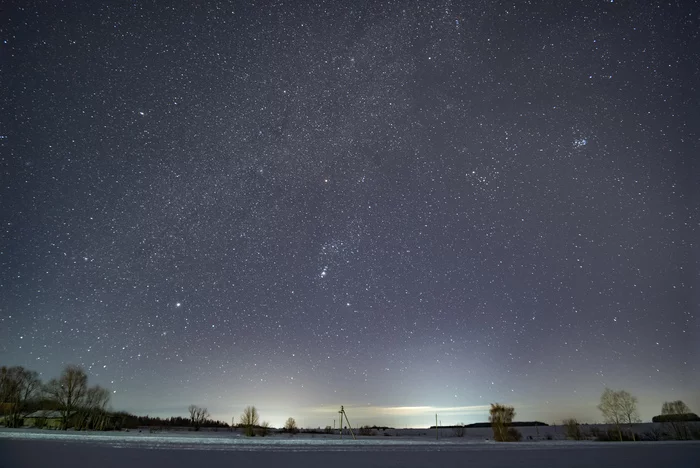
(28, 448)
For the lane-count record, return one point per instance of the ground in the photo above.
(25, 448)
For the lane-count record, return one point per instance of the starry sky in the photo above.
(404, 207)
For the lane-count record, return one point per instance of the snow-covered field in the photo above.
(29, 448)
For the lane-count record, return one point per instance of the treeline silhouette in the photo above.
(488, 424)
(685, 417)
(69, 402)
(124, 420)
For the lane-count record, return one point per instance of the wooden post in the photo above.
(437, 437)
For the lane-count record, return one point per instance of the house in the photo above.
(48, 419)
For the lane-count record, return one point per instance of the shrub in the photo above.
(514, 435)
(458, 431)
(572, 429)
(695, 431)
(264, 429)
(612, 435)
(654, 434)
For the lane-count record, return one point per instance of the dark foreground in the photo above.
(76, 453)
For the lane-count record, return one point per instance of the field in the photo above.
(27, 448)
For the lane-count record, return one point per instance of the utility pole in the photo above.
(437, 434)
(344, 414)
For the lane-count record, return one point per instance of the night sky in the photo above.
(402, 207)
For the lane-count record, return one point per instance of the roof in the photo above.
(48, 414)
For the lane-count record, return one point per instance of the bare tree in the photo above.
(99, 398)
(249, 419)
(500, 417)
(291, 426)
(628, 407)
(92, 412)
(458, 430)
(618, 408)
(675, 414)
(675, 407)
(264, 428)
(18, 386)
(198, 416)
(68, 392)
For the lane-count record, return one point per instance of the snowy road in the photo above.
(21, 449)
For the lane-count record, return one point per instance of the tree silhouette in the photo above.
(18, 387)
(92, 413)
(675, 412)
(198, 416)
(250, 419)
(500, 417)
(618, 408)
(68, 392)
(291, 426)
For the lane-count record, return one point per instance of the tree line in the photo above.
(124, 420)
(79, 405)
(619, 410)
(86, 407)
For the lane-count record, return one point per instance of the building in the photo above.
(48, 419)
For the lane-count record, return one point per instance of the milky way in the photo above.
(402, 207)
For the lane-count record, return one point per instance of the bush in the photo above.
(572, 429)
(654, 434)
(366, 431)
(264, 429)
(514, 435)
(611, 435)
(695, 431)
(458, 431)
